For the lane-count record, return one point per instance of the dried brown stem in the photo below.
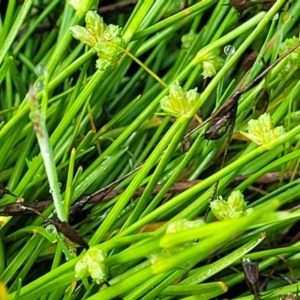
(105, 194)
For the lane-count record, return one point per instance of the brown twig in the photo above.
(106, 194)
(61, 226)
(268, 178)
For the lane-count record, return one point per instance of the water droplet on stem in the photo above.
(51, 229)
(39, 85)
(40, 70)
(229, 50)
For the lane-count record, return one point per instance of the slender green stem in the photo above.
(38, 119)
(15, 28)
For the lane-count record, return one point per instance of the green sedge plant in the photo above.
(97, 103)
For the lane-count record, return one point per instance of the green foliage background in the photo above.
(89, 127)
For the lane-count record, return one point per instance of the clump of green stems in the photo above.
(71, 125)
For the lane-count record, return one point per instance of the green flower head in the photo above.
(106, 48)
(105, 40)
(235, 207)
(211, 63)
(179, 103)
(236, 201)
(91, 34)
(262, 131)
(293, 60)
(92, 264)
(94, 24)
(83, 35)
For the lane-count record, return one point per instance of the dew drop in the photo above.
(229, 50)
(51, 229)
(39, 85)
(276, 16)
(60, 184)
(51, 191)
(40, 70)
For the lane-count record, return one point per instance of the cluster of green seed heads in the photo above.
(92, 264)
(105, 40)
(235, 207)
(262, 130)
(178, 102)
(292, 62)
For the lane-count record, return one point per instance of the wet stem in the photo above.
(38, 119)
